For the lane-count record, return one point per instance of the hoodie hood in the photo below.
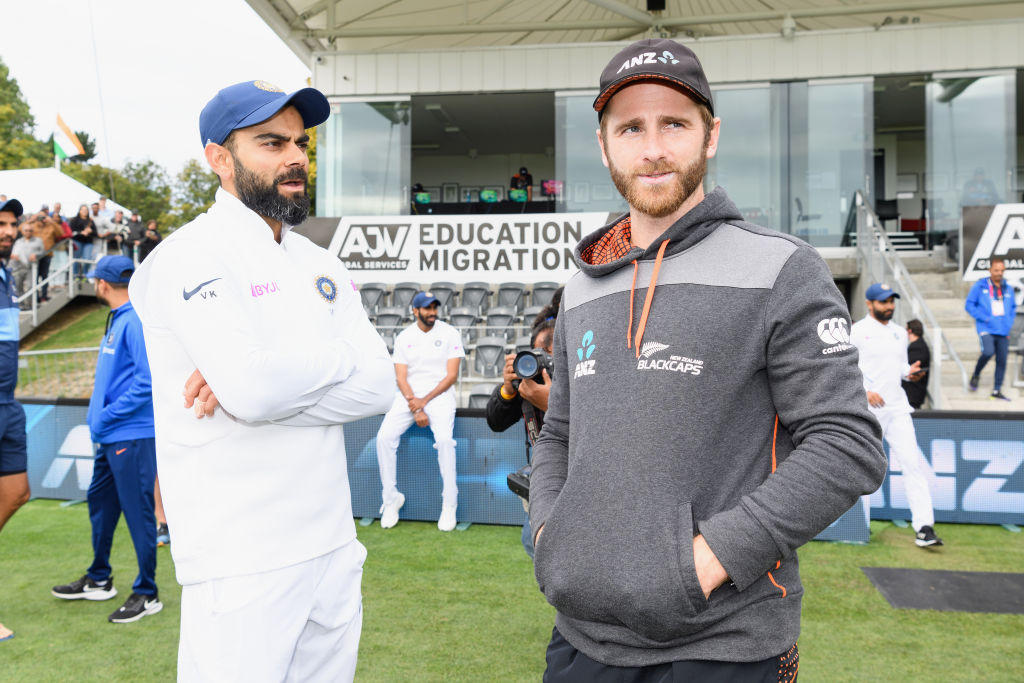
(715, 209)
(694, 226)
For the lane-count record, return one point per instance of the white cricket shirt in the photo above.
(883, 360)
(279, 334)
(427, 354)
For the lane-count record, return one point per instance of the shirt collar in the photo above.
(238, 214)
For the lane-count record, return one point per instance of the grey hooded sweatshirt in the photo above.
(730, 405)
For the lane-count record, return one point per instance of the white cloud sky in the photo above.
(158, 64)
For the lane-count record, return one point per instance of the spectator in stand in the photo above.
(56, 213)
(83, 230)
(150, 239)
(114, 232)
(916, 386)
(52, 233)
(27, 250)
(136, 231)
(104, 210)
(522, 181)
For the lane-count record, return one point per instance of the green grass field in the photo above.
(464, 606)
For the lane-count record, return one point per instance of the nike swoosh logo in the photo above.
(189, 293)
(120, 451)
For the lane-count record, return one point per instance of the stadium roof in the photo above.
(309, 26)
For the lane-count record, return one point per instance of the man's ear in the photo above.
(220, 160)
(600, 143)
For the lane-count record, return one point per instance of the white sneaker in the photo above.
(389, 512)
(447, 521)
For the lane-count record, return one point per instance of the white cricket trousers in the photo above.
(898, 432)
(441, 413)
(297, 623)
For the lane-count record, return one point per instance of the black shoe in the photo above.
(85, 589)
(163, 536)
(136, 607)
(998, 396)
(926, 537)
(973, 384)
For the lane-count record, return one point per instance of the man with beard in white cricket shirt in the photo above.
(265, 333)
(702, 430)
(427, 357)
(883, 360)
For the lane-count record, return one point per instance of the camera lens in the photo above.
(525, 365)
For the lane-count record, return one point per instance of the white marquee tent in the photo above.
(34, 187)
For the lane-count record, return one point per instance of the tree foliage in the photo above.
(140, 186)
(18, 146)
(194, 192)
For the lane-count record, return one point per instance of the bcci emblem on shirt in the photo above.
(326, 288)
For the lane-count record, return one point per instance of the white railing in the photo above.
(880, 262)
(57, 373)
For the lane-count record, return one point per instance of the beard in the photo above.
(659, 201)
(882, 316)
(428, 319)
(266, 200)
(6, 246)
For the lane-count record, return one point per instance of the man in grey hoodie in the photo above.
(710, 418)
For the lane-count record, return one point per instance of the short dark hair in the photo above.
(993, 261)
(915, 327)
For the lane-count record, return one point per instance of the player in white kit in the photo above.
(427, 356)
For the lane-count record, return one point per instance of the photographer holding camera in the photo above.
(524, 394)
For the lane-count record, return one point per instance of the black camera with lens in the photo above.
(530, 364)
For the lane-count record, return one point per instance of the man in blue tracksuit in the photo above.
(992, 303)
(14, 491)
(121, 423)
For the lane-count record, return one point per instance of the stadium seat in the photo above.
(445, 293)
(523, 343)
(479, 395)
(500, 322)
(464, 319)
(476, 295)
(529, 313)
(489, 356)
(511, 294)
(542, 292)
(391, 320)
(402, 294)
(374, 295)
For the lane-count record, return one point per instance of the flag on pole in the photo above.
(65, 142)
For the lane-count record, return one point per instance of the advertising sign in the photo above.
(991, 232)
(494, 248)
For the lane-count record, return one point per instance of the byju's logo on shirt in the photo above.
(834, 332)
(584, 353)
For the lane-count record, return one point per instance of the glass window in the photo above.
(587, 186)
(363, 158)
(749, 158)
(971, 141)
(831, 137)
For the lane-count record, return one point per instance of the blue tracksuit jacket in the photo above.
(979, 306)
(121, 406)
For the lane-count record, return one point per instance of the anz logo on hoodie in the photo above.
(586, 364)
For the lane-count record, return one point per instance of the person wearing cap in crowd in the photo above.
(14, 489)
(427, 356)
(121, 424)
(266, 333)
(882, 351)
(992, 302)
(702, 427)
(136, 232)
(522, 181)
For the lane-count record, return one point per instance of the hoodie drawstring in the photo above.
(647, 300)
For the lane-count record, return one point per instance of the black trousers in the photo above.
(566, 664)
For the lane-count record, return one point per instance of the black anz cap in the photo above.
(655, 59)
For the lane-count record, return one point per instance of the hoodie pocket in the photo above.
(636, 572)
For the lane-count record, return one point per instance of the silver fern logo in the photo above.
(651, 348)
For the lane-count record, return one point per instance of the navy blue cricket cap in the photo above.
(880, 292)
(112, 269)
(424, 299)
(14, 206)
(245, 104)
